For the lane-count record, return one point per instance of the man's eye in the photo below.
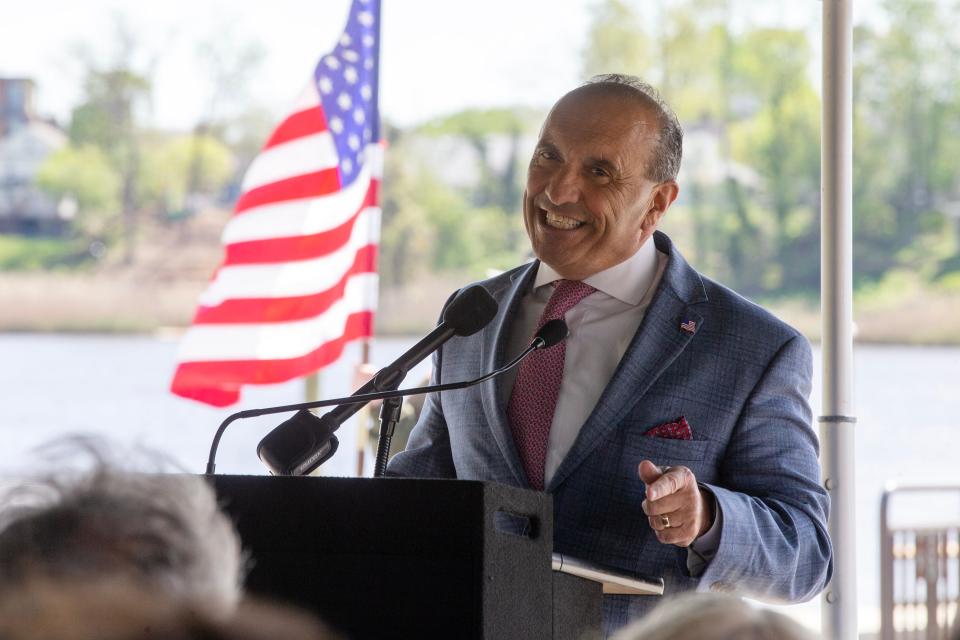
(600, 172)
(547, 155)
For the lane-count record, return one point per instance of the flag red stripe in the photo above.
(309, 185)
(274, 250)
(260, 310)
(218, 383)
(297, 125)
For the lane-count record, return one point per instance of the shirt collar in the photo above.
(627, 281)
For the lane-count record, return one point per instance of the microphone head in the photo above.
(298, 445)
(551, 333)
(470, 311)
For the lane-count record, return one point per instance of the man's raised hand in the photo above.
(678, 511)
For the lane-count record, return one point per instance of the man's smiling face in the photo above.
(588, 204)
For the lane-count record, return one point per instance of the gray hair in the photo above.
(112, 609)
(163, 530)
(713, 616)
(664, 163)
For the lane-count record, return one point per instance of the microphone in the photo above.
(304, 442)
(550, 334)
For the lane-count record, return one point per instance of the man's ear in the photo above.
(663, 196)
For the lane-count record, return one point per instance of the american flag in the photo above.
(298, 280)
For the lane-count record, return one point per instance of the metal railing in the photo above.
(920, 565)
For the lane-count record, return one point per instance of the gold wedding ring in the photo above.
(665, 522)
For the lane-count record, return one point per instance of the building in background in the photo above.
(26, 141)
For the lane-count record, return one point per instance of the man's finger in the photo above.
(680, 536)
(674, 520)
(649, 472)
(681, 501)
(670, 482)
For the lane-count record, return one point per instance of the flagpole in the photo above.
(311, 387)
(366, 416)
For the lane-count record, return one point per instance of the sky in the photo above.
(438, 56)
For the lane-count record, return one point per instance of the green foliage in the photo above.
(20, 253)
(746, 94)
(172, 165)
(430, 225)
(753, 86)
(480, 123)
(613, 45)
(106, 118)
(85, 175)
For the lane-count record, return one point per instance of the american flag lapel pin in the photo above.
(688, 325)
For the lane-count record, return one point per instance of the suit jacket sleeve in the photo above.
(774, 539)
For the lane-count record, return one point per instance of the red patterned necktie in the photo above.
(535, 393)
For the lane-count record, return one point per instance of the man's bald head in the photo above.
(664, 161)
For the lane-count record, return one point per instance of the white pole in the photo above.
(837, 422)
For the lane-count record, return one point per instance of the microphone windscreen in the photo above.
(470, 311)
(287, 444)
(552, 332)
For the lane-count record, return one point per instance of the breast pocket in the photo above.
(697, 455)
(670, 450)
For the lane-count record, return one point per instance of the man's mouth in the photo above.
(560, 222)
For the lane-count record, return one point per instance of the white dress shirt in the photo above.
(601, 328)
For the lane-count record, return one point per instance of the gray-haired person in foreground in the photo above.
(117, 610)
(160, 530)
(713, 616)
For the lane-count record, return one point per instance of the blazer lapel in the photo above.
(656, 344)
(493, 355)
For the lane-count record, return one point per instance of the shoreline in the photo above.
(152, 302)
(174, 333)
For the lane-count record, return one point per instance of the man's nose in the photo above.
(564, 186)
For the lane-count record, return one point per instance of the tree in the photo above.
(85, 175)
(907, 105)
(614, 42)
(115, 95)
(431, 225)
(500, 183)
(229, 63)
(746, 95)
(178, 168)
(779, 141)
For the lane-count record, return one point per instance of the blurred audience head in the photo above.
(115, 609)
(103, 520)
(712, 616)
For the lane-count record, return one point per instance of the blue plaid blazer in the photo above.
(742, 380)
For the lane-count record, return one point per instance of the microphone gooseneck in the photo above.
(550, 334)
(297, 447)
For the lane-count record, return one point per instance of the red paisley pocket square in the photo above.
(677, 430)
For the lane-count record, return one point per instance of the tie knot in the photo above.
(566, 295)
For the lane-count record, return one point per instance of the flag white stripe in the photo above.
(296, 278)
(296, 157)
(279, 340)
(301, 217)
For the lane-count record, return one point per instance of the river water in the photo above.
(908, 406)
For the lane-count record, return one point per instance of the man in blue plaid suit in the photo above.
(681, 442)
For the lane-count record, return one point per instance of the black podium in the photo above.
(403, 558)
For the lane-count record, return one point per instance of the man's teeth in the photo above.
(561, 222)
